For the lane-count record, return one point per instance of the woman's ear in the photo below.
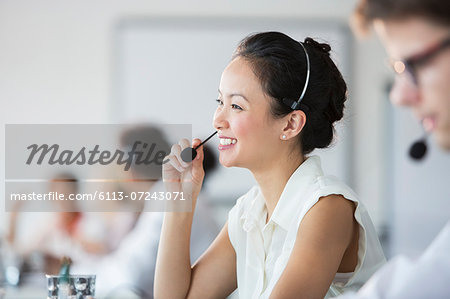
(295, 121)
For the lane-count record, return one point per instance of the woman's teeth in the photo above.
(227, 141)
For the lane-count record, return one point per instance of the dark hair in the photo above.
(209, 161)
(280, 64)
(151, 135)
(437, 11)
(65, 180)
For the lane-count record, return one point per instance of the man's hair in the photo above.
(152, 135)
(436, 11)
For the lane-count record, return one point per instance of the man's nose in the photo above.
(404, 92)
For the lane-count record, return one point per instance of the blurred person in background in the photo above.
(128, 271)
(64, 233)
(416, 35)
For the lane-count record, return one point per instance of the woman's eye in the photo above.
(219, 101)
(234, 106)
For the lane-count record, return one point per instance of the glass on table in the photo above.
(71, 287)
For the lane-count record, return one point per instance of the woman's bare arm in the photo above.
(212, 276)
(322, 239)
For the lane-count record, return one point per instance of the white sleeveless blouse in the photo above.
(262, 250)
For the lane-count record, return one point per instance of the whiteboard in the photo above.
(167, 70)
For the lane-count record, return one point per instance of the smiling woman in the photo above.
(298, 233)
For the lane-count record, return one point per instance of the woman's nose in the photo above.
(404, 92)
(220, 120)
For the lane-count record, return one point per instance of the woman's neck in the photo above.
(273, 178)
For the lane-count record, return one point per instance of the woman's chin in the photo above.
(443, 139)
(226, 162)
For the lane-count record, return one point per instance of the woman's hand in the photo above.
(179, 176)
(173, 266)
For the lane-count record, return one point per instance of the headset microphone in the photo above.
(418, 149)
(189, 153)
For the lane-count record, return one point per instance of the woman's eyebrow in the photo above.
(238, 95)
(235, 94)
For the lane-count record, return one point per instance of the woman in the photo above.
(299, 233)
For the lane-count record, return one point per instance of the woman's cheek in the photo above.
(242, 127)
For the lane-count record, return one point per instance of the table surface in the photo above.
(25, 292)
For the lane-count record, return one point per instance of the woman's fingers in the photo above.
(184, 143)
(197, 163)
(176, 170)
(175, 163)
(176, 151)
(196, 142)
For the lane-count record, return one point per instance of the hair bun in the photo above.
(320, 46)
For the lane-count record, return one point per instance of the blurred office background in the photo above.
(89, 62)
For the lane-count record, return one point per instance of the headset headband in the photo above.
(295, 104)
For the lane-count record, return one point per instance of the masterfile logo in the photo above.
(35, 150)
(53, 155)
(90, 167)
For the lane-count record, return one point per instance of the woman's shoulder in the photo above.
(316, 183)
(331, 185)
(332, 192)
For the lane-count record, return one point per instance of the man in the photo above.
(417, 34)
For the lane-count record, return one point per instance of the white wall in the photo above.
(56, 67)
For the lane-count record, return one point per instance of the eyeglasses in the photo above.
(412, 64)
